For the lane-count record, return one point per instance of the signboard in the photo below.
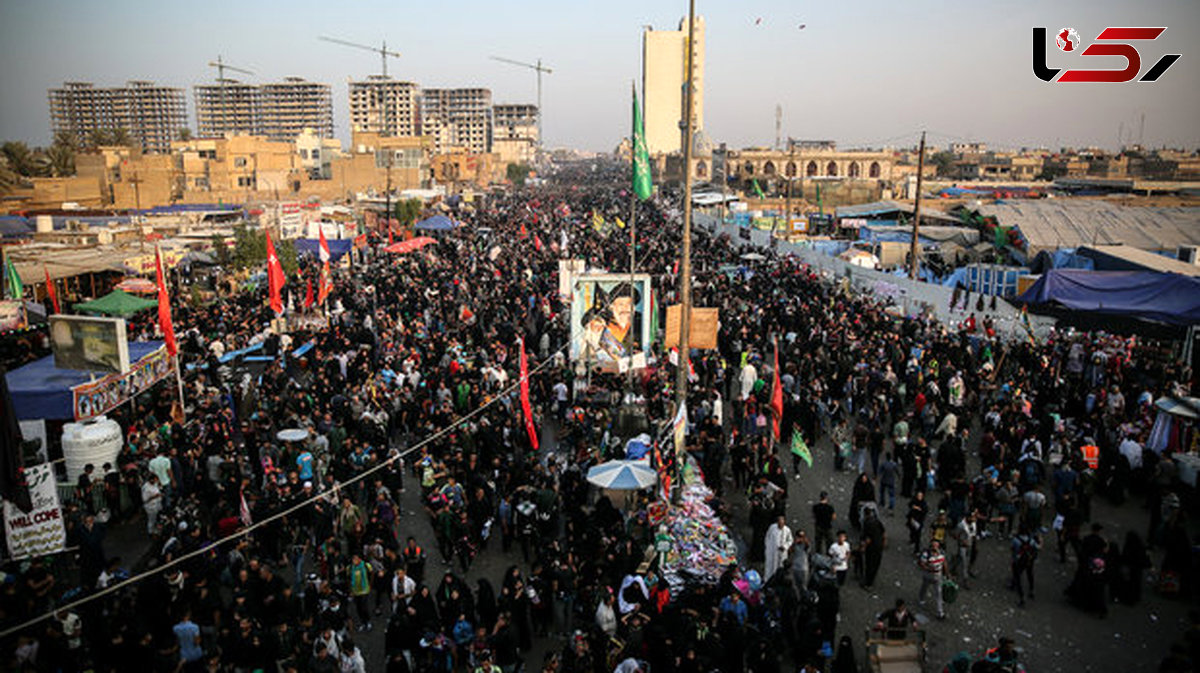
(818, 222)
(98, 397)
(567, 270)
(610, 318)
(798, 225)
(89, 344)
(39, 531)
(702, 330)
(143, 265)
(853, 222)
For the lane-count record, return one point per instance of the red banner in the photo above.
(525, 407)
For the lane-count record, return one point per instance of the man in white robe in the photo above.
(778, 541)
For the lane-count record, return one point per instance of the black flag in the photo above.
(12, 462)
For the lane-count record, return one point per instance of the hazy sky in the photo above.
(867, 72)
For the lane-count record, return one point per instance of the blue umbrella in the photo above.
(623, 475)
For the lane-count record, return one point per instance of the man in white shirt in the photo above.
(1132, 451)
(606, 617)
(403, 588)
(779, 540)
(839, 552)
(965, 534)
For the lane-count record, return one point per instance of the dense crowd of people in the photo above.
(272, 554)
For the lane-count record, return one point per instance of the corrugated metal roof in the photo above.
(884, 207)
(1144, 259)
(1053, 224)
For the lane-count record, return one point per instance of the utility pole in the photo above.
(685, 262)
(633, 199)
(915, 248)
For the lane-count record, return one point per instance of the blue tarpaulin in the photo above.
(436, 223)
(40, 390)
(1163, 297)
(337, 247)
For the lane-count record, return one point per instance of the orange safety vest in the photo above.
(1091, 455)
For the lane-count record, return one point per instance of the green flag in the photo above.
(800, 448)
(15, 288)
(1001, 238)
(641, 156)
(758, 190)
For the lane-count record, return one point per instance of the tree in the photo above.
(517, 173)
(250, 249)
(221, 251)
(185, 134)
(944, 161)
(407, 211)
(21, 160)
(60, 159)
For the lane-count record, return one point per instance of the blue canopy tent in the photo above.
(337, 247)
(1168, 298)
(41, 390)
(436, 223)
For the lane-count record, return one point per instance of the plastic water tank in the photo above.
(97, 442)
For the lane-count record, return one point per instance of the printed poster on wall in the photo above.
(40, 530)
(610, 318)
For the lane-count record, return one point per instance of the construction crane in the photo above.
(537, 67)
(382, 50)
(221, 67)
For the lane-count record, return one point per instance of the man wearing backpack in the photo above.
(1025, 546)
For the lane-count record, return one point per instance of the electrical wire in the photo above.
(279, 515)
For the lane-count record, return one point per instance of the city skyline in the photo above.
(868, 75)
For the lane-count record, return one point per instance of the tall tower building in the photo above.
(152, 115)
(386, 106)
(279, 110)
(664, 74)
(227, 106)
(458, 118)
(290, 106)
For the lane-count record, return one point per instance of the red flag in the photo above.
(324, 284)
(244, 513)
(389, 231)
(776, 397)
(275, 277)
(323, 248)
(50, 290)
(164, 306)
(308, 295)
(533, 438)
(537, 243)
(524, 232)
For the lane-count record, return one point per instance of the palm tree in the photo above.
(185, 134)
(60, 160)
(21, 160)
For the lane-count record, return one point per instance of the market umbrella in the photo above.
(410, 245)
(753, 257)
(137, 285)
(622, 475)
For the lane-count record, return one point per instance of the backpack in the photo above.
(1026, 552)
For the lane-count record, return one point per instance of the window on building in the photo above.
(811, 169)
(790, 171)
(748, 168)
(701, 169)
(874, 170)
(316, 154)
(853, 172)
(831, 169)
(245, 181)
(239, 162)
(769, 168)
(207, 154)
(304, 154)
(201, 183)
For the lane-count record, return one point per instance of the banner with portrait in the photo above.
(100, 396)
(610, 318)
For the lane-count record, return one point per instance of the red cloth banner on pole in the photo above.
(525, 407)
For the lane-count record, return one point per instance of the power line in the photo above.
(279, 515)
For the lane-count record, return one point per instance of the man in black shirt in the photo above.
(823, 518)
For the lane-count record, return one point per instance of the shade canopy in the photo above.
(1169, 298)
(623, 475)
(436, 223)
(41, 390)
(410, 245)
(138, 286)
(116, 303)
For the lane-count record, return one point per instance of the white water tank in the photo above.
(97, 442)
(44, 224)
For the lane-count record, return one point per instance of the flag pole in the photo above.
(685, 263)
(633, 222)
